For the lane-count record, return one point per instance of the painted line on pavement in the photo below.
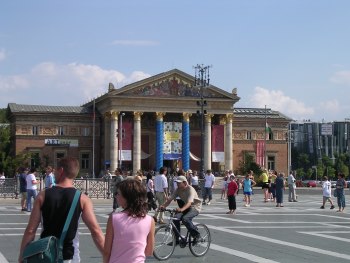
(241, 254)
(324, 235)
(283, 243)
(2, 258)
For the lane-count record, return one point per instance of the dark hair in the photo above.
(70, 166)
(135, 195)
(162, 169)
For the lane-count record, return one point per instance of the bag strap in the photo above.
(68, 220)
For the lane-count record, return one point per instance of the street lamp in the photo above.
(121, 139)
(202, 79)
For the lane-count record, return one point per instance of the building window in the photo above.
(85, 161)
(270, 136)
(249, 135)
(35, 130)
(34, 160)
(85, 131)
(271, 162)
(60, 130)
(58, 156)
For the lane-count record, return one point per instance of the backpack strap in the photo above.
(68, 220)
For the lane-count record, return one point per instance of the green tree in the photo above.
(248, 164)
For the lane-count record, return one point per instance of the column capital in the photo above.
(114, 115)
(229, 117)
(186, 116)
(160, 115)
(137, 115)
(208, 117)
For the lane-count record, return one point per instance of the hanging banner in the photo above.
(125, 142)
(260, 153)
(172, 148)
(218, 143)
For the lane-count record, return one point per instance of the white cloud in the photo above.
(332, 106)
(2, 54)
(276, 100)
(53, 84)
(341, 77)
(124, 42)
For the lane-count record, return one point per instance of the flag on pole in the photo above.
(267, 128)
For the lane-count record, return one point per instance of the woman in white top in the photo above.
(194, 180)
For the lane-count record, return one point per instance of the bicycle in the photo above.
(165, 239)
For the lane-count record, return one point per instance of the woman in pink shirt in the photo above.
(129, 233)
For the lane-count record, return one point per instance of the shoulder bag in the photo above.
(49, 249)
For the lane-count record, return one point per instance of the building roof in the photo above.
(259, 113)
(17, 108)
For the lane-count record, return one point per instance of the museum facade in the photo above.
(151, 123)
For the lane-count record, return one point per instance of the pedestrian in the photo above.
(265, 184)
(272, 187)
(31, 188)
(129, 233)
(161, 190)
(2, 177)
(115, 181)
(232, 189)
(209, 180)
(51, 209)
(225, 181)
(248, 183)
(49, 177)
(291, 188)
(150, 193)
(280, 187)
(327, 192)
(23, 187)
(339, 191)
(194, 180)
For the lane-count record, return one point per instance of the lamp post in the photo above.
(121, 140)
(202, 80)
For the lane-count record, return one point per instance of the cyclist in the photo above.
(189, 206)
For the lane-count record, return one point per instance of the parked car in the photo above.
(309, 183)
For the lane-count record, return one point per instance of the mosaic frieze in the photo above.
(172, 87)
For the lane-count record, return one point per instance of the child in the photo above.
(327, 192)
(247, 189)
(232, 189)
(129, 233)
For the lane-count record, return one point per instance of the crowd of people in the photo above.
(130, 228)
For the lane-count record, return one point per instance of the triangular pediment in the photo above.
(173, 83)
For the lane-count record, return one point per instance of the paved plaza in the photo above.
(297, 232)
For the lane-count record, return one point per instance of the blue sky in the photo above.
(291, 55)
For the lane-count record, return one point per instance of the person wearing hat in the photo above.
(189, 206)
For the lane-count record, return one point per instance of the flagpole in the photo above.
(265, 139)
(93, 142)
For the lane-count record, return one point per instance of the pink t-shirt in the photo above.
(130, 238)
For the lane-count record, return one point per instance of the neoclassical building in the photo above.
(152, 123)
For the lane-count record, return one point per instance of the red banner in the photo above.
(260, 153)
(218, 143)
(126, 136)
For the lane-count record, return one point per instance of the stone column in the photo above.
(228, 142)
(114, 140)
(159, 139)
(136, 156)
(207, 141)
(186, 141)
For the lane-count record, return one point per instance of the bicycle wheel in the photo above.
(201, 246)
(164, 243)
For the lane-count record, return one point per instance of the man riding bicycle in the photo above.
(189, 206)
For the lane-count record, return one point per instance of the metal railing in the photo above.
(98, 188)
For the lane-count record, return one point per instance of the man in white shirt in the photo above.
(327, 192)
(209, 180)
(291, 187)
(161, 191)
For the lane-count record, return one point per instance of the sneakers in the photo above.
(322, 207)
(247, 205)
(332, 207)
(204, 203)
(208, 203)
